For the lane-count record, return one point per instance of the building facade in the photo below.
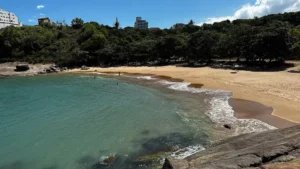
(45, 21)
(178, 26)
(8, 19)
(140, 24)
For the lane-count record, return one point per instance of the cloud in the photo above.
(260, 8)
(42, 14)
(40, 6)
(31, 20)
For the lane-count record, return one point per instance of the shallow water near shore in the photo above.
(74, 121)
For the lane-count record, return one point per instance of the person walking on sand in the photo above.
(119, 73)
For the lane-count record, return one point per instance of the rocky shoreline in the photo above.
(25, 69)
(272, 149)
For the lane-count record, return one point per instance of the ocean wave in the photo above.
(187, 151)
(222, 113)
(184, 86)
(97, 73)
(144, 77)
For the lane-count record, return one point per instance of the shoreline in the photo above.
(275, 118)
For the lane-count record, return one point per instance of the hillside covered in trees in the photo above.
(253, 42)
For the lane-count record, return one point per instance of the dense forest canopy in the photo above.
(272, 38)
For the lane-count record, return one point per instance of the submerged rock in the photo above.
(106, 163)
(110, 160)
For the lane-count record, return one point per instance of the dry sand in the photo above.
(279, 90)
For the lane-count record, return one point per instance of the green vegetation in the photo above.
(253, 42)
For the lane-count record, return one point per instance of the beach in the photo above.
(276, 95)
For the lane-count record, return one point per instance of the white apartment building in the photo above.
(140, 24)
(8, 19)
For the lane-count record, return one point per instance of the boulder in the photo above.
(22, 68)
(84, 67)
(42, 72)
(49, 70)
(54, 69)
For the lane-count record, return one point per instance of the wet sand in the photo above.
(245, 109)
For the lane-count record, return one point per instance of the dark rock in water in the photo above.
(249, 150)
(106, 163)
(227, 126)
(22, 68)
(110, 160)
(164, 143)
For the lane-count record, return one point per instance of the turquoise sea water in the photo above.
(72, 121)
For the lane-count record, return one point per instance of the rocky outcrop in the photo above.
(52, 69)
(84, 67)
(246, 151)
(22, 68)
(26, 69)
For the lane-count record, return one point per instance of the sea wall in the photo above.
(265, 150)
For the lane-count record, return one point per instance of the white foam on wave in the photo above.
(187, 151)
(222, 113)
(109, 74)
(184, 86)
(144, 77)
(97, 73)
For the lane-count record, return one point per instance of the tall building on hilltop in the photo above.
(140, 24)
(45, 21)
(8, 19)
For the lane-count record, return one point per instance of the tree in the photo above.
(117, 24)
(191, 22)
(202, 45)
(77, 23)
(168, 47)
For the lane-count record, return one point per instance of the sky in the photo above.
(159, 13)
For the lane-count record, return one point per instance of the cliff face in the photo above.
(257, 150)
